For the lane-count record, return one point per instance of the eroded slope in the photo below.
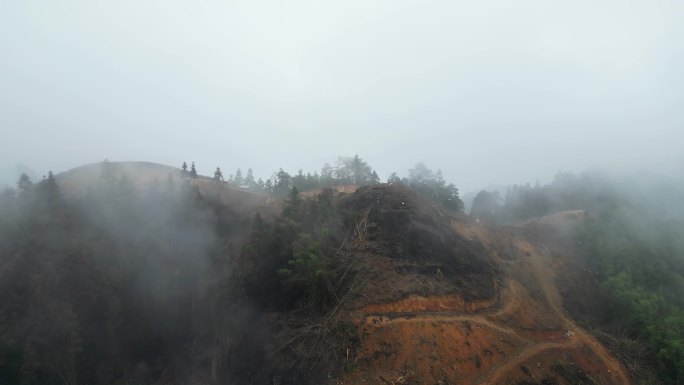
(520, 334)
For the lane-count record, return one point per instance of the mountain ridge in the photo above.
(350, 286)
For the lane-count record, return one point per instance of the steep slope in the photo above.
(408, 242)
(520, 336)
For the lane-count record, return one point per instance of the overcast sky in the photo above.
(488, 91)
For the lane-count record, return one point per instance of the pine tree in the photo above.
(394, 178)
(283, 183)
(24, 182)
(238, 181)
(327, 177)
(193, 171)
(218, 175)
(250, 184)
(268, 186)
(260, 186)
(50, 186)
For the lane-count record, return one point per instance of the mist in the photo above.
(521, 91)
(254, 192)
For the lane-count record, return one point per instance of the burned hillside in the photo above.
(398, 224)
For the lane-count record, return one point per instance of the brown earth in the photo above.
(337, 189)
(522, 335)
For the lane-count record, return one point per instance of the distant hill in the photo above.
(147, 175)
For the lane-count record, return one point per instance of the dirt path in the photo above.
(540, 267)
(545, 276)
(445, 317)
(513, 364)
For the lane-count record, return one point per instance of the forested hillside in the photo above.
(119, 273)
(100, 289)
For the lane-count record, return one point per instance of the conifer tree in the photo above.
(218, 175)
(193, 171)
(238, 181)
(24, 182)
(250, 184)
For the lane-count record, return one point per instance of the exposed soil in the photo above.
(337, 189)
(521, 335)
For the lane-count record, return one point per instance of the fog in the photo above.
(134, 272)
(490, 92)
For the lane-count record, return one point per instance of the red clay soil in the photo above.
(416, 303)
(523, 336)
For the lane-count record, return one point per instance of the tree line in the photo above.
(347, 170)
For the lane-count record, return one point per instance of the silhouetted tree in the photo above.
(394, 178)
(193, 171)
(327, 175)
(283, 183)
(420, 173)
(300, 181)
(293, 203)
(430, 184)
(24, 182)
(250, 184)
(260, 186)
(268, 186)
(343, 172)
(374, 178)
(361, 172)
(237, 180)
(48, 188)
(218, 175)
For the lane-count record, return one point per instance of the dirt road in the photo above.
(569, 339)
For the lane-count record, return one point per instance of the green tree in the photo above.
(292, 207)
(356, 171)
(283, 183)
(430, 184)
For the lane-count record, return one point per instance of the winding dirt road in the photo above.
(571, 338)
